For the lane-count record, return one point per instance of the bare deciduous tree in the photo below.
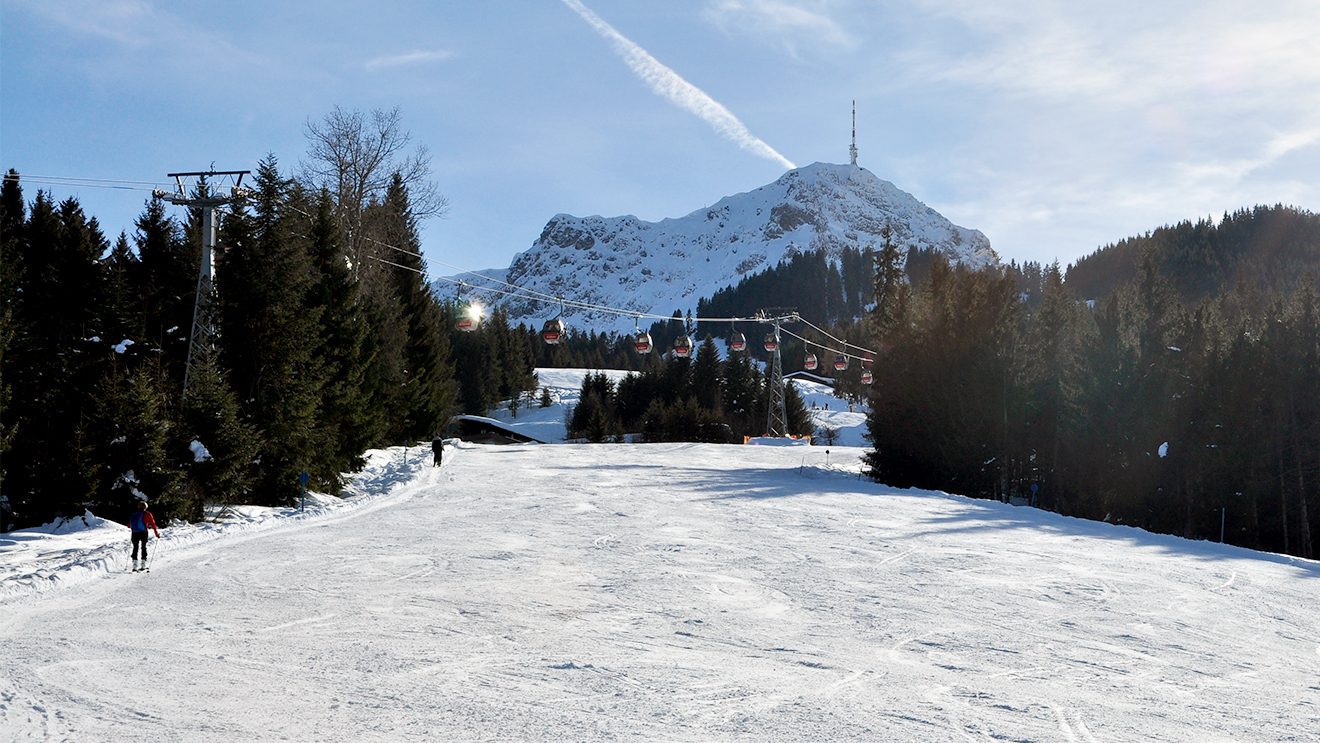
(355, 157)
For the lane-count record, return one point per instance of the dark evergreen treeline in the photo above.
(1144, 410)
(320, 352)
(828, 291)
(1270, 247)
(493, 363)
(702, 398)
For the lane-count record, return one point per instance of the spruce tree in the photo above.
(739, 392)
(136, 431)
(427, 396)
(211, 417)
(798, 419)
(122, 312)
(706, 377)
(347, 407)
(165, 283)
(269, 332)
(55, 359)
(12, 212)
(1056, 373)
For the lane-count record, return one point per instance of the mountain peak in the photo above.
(657, 267)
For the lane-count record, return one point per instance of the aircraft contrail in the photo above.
(665, 82)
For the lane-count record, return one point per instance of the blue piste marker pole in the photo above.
(303, 477)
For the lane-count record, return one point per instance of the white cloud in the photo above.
(126, 22)
(136, 29)
(419, 56)
(1129, 52)
(791, 23)
(1078, 124)
(668, 84)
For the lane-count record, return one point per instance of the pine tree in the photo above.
(1057, 376)
(165, 283)
(122, 312)
(594, 417)
(798, 419)
(211, 417)
(426, 394)
(269, 332)
(890, 290)
(706, 377)
(346, 403)
(12, 213)
(133, 425)
(55, 359)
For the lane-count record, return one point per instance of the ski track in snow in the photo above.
(675, 592)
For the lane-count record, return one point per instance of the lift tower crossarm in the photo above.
(203, 330)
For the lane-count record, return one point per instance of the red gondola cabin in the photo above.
(552, 331)
(682, 346)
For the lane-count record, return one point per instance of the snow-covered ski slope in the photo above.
(671, 592)
(565, 385)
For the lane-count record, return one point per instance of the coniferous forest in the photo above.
(327, 338)
(1144, 409)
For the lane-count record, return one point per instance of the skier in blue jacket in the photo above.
(138, 523)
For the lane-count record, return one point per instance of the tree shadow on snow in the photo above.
(972, 515)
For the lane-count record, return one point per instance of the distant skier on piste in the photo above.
(438, 449)
(138, 523)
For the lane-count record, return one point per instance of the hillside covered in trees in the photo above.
(1143, 410)
(1271, 248)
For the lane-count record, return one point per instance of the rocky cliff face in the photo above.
(658, 267)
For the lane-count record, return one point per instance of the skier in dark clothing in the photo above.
(139, 522)
(438, 449)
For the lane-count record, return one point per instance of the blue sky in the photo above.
(1054, 127)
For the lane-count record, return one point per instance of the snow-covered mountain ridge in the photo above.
(657, 267)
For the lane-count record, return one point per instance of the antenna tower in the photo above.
(852, 149)
(200, 184)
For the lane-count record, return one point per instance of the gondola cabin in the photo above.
(738, 342)
(809, 363)
(642, 343)
(771, 342)
(553, 331)
(682, 346)
(466, 324)
(866, 377)
(840, 362)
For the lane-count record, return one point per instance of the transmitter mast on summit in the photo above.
(852, 149)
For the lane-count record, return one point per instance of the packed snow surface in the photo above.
(663, 592)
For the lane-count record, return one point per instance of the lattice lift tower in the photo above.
(199, 184)
(776, 418)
